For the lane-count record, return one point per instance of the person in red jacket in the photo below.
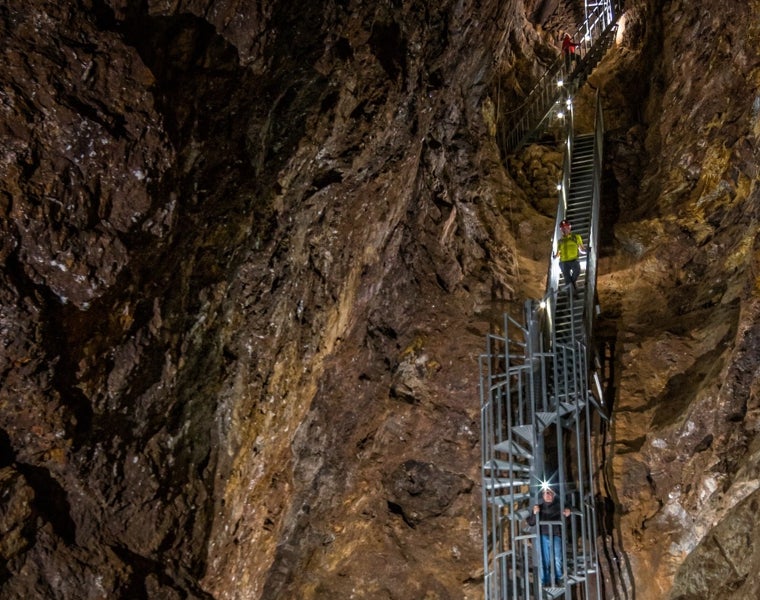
(568, 50)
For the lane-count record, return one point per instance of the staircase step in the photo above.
(521, 514)
(525, 432)
(513, 448)
(544, 419)
(507, 500)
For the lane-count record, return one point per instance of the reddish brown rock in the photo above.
(250, 254)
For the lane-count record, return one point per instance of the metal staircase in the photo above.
(595, 36)
(538, 412)
(569, 311)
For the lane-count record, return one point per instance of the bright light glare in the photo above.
(560, 115)
(542, 304)
(560, 83)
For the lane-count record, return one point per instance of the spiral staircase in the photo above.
(540, 394)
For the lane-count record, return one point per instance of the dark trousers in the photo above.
(570, 58)
(570, 269)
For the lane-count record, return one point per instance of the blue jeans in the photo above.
(547, 554)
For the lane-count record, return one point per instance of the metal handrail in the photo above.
(542, 99)
(593, 237)
(530, 382)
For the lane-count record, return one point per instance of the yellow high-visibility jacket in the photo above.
(568, 247)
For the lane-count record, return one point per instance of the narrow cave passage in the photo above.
(547, 407)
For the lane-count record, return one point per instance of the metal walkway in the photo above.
(562, 78)
(538, 413)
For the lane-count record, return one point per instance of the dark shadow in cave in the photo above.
(6, 450)
(609, 208)
(50, 501)
(618, 582)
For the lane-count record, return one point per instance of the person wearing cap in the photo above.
(568, 248)
(549, 513)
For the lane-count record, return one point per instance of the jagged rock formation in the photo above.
(684, 291)
(250, 251)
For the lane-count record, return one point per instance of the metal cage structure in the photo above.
(539, 414)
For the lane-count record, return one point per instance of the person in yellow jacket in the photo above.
(568, 249)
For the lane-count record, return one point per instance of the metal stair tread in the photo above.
(545, 418)
(525, 432)
(507, 499)
(512, 447)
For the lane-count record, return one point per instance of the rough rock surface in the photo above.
(250, 252)
(683, 288)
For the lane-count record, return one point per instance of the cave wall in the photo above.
(682, 288)
(237, 240)
(251, 250)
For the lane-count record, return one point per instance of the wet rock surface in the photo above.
(250, 254)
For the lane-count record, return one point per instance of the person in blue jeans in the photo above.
(551, 536)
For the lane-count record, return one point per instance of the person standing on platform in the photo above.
(552, 553)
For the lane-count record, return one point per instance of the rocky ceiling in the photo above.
(250, 253)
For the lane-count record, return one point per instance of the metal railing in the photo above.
(535, 398)
(543, 99)
(530, 408)
(593, 237)
(536, 426)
